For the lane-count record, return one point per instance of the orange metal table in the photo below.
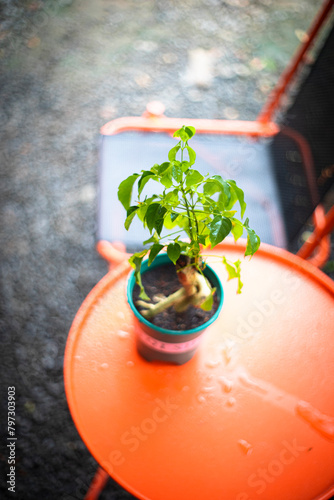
(250, 416)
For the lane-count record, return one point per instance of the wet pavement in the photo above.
(67, 67)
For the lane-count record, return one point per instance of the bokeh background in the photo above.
(68, 67)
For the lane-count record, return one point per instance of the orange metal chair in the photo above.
(128, 139)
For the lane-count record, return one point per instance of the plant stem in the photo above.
(188, 213)
(170, 234)
(185, 199)
(193, 212)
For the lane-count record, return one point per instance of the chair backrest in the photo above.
(307, 137)
(232, 156)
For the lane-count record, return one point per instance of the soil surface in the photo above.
(163, 280)
(68, 67)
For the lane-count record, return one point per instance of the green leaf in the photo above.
(185, 133)
(191, 131)
(211, 187)
(151, 215)
(154, 217)
(156, 248)
(143, 206)
(125, 190)
(202, 239)
(225, 189)
(153, 239)
(231, 269)
(155, 168)
(142, 211)
(166, 180)
(217, 184)
(193, 177)
(163, 167)
(178, 220)
(234, 269)
(173, 152)
(237, 228)
(182, 133)
(146, 176)
(135, 261)
(253, 240)
(209, 205)
(173, 219)
(208, 303)
(200, 215)
(183, 222)
(177, 173)
(220, 227)
(174, 216)
(192, 155)
(240, 196)
(131, 212)
(185, 165)
(172, 198)
(158, 225)
(173, 252)
(185, 245)
(204, 230)
(168, 222)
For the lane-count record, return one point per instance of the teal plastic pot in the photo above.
(160, 344)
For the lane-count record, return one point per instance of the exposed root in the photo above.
(150, 310)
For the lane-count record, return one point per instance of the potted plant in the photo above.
(174, 294)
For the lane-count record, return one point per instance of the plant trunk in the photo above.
(195, 290)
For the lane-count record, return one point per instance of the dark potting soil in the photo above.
(164, 280)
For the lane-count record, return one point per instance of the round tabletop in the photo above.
(251, 415)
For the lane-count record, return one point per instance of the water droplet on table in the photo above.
(227, 351)
(212, 363)
(208, 389)
(251, 383)
(322, 423)
(226, 384)
(246, 448)
(122, 334)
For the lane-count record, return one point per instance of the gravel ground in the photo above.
(67, 68)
